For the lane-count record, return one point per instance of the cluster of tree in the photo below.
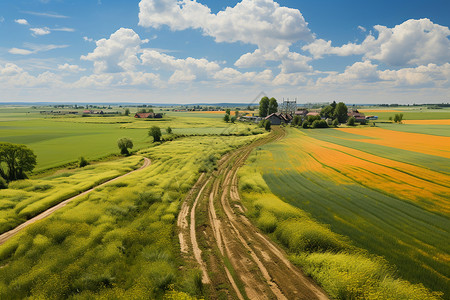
(228, 118)
(15, 161)
(126, 112)
(398, 118)
(267, 106)
(143, 110)
(335, 111)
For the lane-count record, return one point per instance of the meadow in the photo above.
(386, 218)
(118, 241)
(58, 140)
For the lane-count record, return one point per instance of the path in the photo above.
(9, 234)
(229, 249)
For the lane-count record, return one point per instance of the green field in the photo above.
(58, 140)
(392, 202)
(118, 241)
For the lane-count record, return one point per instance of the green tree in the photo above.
(327, 112)
(236, 113)
(124, 144)
(126, 112)
(267, 125)
(263, 107)
(340, 112)
(273, 106)
(296, 120)
(335, 123)
(155, 132)
(305, 124)
(351, 121)
(398, 118)
(169, 130)
(226, 118)
(233, 119)
(142, 110)
(18, 159)
(82, 162)
(228, 111)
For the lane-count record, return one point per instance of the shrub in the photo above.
(335, 123)
(267, 221)
(169, 130)
(82, 162)
(319, 124)
(351, 121)
(305, 124)
(267, 125)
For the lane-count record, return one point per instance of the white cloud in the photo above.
(414, 42)
(86, 39)
(363, 29)
(14, 76)
(64, 29)
(259, 22)
(21, 21)
(35, 48)
(40, 31)
(71, 68)
(46, 14)
(116, 54)
(20, 51)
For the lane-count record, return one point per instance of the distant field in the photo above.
(63, 139)
(391, 198)
(409, 113)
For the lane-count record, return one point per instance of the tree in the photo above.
(126, 112)
(305, 124)
(340, 112)
(82, 162)
(155, 132)
(226, 118)
(335, 123)
(142, 111)
(228, 111)
(124, 144)
(236, 113)
(273, 106)
(327, 112)
(263, 107)
(169, 130)
(296, 120)
(398, 118)
(233, 119)
(18, 159)
(351, 121)
(267, 125)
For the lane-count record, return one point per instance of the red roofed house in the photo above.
(360, 117)
(144, 115)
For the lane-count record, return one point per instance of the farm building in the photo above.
(278, 118)
(301, 112)
(313, 113)
(147, 115)
(360, 117)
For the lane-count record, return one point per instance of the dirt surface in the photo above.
(236, 259)
(9, 234)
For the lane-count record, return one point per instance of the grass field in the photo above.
(411, 113)
(117, 242)
(58, 140)
(394, 208)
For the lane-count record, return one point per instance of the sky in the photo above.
(169, 51)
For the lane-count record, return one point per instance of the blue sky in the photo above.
(166, 51)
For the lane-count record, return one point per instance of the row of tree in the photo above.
(267, 106)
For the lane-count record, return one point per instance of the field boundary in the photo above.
(4, 237)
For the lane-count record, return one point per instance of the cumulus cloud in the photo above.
(116, 54)
(414, 42)
(14, 76)
(367, 73)
(70, 68)
(260, 22)
(21, 21)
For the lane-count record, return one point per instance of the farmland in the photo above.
(380, 190)
(116, 242)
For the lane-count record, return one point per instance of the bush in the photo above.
(319, 124)
(82, 162)
(335, 123)
(267, 125)
(267, 221)
(351, 121)
(169, 130)
(305, 124)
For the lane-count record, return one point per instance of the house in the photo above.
(278, 118)
(359, 117)
(144, 115)
(301, 113)
(313, 113)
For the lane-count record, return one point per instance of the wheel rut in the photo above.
(228, 248)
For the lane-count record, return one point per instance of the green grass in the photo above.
(413, 114)
(117, 242)
(441, 130)
(407, 235)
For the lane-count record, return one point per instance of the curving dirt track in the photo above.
(9, 234)
(236, 259)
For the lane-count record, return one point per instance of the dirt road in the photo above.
(9, 234)
(236, 259)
